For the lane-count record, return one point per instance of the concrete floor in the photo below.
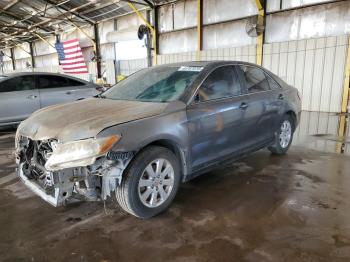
(261, 208)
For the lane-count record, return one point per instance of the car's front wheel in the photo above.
(150, 182)
(284, 136)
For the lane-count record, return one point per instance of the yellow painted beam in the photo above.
(260, 38)
(153, 31)
(345, 99)
(43, 39)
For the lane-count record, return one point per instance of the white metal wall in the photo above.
(241, 53)
(317, 123)
(127, 67)
(314, 66)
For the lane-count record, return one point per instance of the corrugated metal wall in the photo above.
(314, 66)
(317, 123)
(241, 53)
(127, 67)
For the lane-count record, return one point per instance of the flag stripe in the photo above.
(71, 57)
(73, 60)
(76, 55)
(73, 68)
(70, 41)
(67, 66)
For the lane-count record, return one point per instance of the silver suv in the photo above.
(23, 93)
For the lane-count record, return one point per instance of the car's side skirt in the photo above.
(232, 157)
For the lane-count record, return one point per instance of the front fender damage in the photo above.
(89, 183)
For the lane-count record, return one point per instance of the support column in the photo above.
(153, 31)
(345, 102)
(97, 51)
(260, 4)
(149, 42)
(13, 58)
(31, 50)
(199, 29)
(156, 29)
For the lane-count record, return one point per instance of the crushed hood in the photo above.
(85, 118)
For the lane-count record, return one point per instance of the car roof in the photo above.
(41, 73)
(209, 63)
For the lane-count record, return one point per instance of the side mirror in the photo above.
(196, 98)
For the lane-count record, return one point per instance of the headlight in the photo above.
(79, 153)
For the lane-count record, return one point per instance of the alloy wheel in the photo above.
(156, 183)
(285, 134)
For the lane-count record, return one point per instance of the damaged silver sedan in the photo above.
(159, 127)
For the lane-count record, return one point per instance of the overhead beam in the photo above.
(48, 20)
(73, 11)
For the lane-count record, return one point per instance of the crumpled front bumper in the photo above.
(37, 189)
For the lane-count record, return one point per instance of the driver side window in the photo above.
(221, 83)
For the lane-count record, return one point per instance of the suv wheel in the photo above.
(150, 182)
(284, 136)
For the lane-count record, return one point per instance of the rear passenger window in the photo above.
(221, 83)
(255, 79)
(19, 83)
(273, 84)
(72, 82)
(51, 81)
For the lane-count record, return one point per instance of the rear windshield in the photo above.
(157, 84)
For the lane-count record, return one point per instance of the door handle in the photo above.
(280, 96)
(243, 106)
(68, 93)
(31, 96)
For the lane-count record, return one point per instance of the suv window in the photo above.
(255, 79)
(221, 83)
(51, 81)
(19, 83)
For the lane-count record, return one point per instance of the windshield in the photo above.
(157, 84)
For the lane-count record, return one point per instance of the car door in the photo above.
(19, 98)
(54, 89)
(81, 89)
(216, 118)
(262, 109)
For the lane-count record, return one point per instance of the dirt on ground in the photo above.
(261, 208)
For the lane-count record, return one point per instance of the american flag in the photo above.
(71, 58)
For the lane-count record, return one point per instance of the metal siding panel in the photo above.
(239, 53)
(283, 61)
(275, 57)
(328, 73)
(316, 88)
(308, 73)
(299, 67)
(267, 56)
(292, 60)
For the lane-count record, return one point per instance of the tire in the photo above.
(131, 194)
(282, 143)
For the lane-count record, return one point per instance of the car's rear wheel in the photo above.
(150, 182)
(284, 136)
